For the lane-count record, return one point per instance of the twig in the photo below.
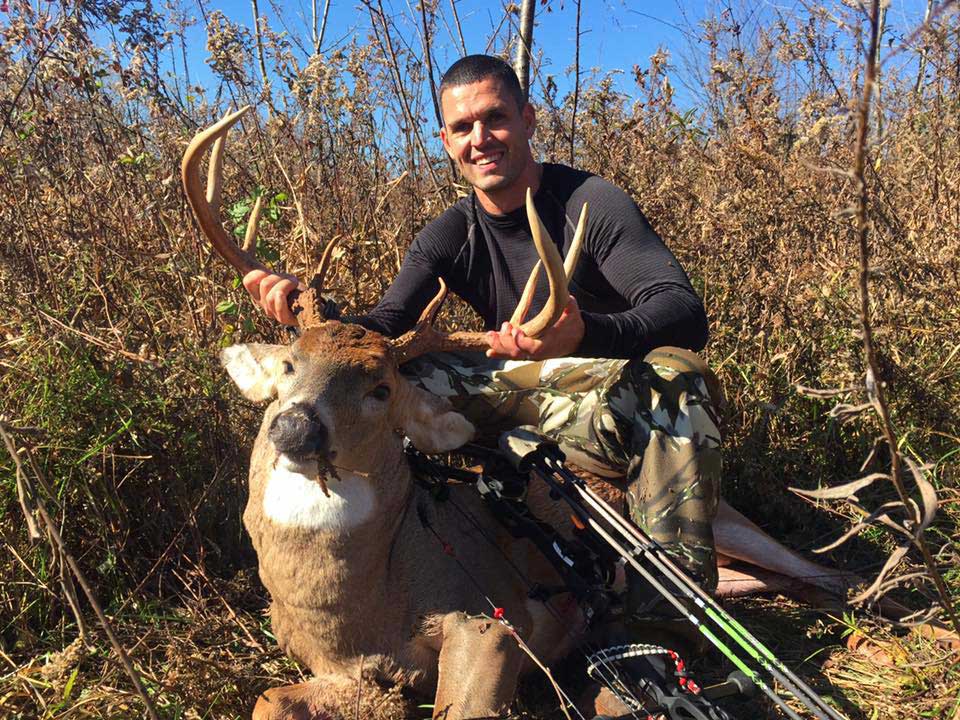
(61, 546)
(456, 22)
(428, 60)
(875, 388)
(54, 37)
(304, 235)
(525, 45)
(386, 44)
(97, 341)
(356, 712)
(576, 86)
(564, 701)
(257, 34)
(318, 39)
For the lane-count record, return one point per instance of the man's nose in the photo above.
(480, 133)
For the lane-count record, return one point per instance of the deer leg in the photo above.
(311, 700)
(746, 580)
(478, 669)
(737, 537)
(330, 697)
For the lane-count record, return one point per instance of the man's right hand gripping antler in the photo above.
(270, 291)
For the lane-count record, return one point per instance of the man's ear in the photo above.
(253, 368)
(529, 115)
(443, 139)
(430, 421)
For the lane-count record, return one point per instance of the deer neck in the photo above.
(341, 511)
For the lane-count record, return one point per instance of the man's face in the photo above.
(487, 135)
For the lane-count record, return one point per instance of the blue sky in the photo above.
(616, 34)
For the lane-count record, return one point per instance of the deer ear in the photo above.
(252, 367)
(432, 423)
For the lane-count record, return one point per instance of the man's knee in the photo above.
(681, 360)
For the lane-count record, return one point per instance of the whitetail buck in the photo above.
(352, 550)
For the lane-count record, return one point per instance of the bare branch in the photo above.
(525, 45)
(576, 86)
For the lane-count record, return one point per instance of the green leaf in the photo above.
(239, 210)
(280, 197)
(227, 307)
(267, 252)
(68, 688)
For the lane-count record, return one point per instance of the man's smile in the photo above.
(488, 159)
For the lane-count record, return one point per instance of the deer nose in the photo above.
(299, 432)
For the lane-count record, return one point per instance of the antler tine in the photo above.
(573, 257)
(569, 265)
(526, 298)
(253, 222)
(429, 313)
(308, 304)
(321, 272)
(425, 338)
(205, 203)
(550, 256)
(215, 174)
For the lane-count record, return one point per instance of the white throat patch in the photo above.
(293, 498)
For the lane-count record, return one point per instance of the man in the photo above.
(652, 419)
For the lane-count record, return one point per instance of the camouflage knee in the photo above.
(674, 472)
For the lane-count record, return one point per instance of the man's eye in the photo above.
(287, 367)
(380, 392)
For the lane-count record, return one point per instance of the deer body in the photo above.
(356, 570)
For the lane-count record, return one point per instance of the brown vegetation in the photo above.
(113, 310)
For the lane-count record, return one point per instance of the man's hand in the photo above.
(558, 341)
(270, 291)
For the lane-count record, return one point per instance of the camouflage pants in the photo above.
(652, 420)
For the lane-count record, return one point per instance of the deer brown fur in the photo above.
(363, 573)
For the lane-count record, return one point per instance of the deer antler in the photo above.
(568, 266)
(206, 207)
(425, 338)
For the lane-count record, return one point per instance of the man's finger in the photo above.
(267, 284)
(527, 345)
(278, 301)
(251, 282)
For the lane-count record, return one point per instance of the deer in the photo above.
(363, 566)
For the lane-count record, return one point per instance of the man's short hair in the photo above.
(474, 68)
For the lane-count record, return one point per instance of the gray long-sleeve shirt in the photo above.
(632, 292)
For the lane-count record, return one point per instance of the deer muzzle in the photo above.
(299, 433)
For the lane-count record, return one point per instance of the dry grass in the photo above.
(114, 308)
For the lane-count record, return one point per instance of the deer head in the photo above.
(340, 399)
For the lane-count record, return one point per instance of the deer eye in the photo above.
(287, 367)
(380, 392)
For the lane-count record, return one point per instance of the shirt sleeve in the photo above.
(664, 307)
(429, 258)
